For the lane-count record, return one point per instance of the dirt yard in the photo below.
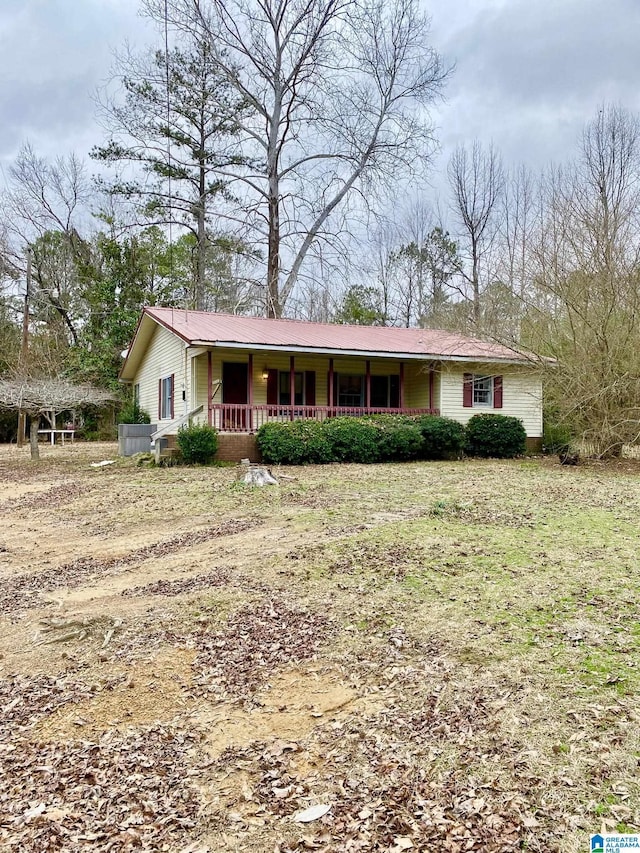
(438, 656)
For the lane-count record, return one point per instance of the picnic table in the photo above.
(52, 433)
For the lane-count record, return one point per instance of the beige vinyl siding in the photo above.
(164, 355)
(416, 385)
(522, 394)
(200, 374)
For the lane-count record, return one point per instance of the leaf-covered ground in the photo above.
(441, 656)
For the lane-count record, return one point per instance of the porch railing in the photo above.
(232, 417)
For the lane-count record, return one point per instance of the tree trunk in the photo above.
(33, 437)
(22, 424)
(202, 231)
(273, 263)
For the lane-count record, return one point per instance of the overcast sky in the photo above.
(529, 73)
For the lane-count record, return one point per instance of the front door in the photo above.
(234, 392)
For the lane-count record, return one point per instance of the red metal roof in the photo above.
(209, 329)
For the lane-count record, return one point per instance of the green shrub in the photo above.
(294, 443)
(399, 437)
(442, 438)
(375, 438)
(556, 435)
(353, 439)
(499, 436)
(197, 444)
(131, 413)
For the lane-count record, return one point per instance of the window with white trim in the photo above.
(483, 391)
(166, 395)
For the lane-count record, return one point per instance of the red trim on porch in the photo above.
(234, 417)
(310, 387)
(272, 387)
(367, 390)
(250, 388)
(330, 395)
(209, 388)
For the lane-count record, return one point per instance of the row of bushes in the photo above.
(389, 438)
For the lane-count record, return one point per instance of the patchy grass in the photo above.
(447, 653)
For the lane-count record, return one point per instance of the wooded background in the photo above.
(273, 158)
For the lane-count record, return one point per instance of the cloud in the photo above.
(531, 73)
(53, 54)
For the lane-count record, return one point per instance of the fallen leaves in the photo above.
(256, 640)
(312, 813)
(23, 591)
(119, 793)
(179, 586)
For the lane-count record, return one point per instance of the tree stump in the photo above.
(256, 475)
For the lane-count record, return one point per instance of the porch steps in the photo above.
(165, 448)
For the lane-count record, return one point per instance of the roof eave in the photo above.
(335, 351)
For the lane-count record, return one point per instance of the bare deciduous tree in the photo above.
(337, 92)
(44, 207)
(518, 221)
(476, 179)
(587, 301)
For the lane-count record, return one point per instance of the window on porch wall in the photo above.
(279, 388)
(284, 397)
(350, 391)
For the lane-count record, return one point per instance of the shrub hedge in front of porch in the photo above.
(377, 438)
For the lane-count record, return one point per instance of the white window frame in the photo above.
(482, 385)
(165, 399)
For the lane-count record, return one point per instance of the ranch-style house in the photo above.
(237, 373)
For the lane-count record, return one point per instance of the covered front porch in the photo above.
(240, 392)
